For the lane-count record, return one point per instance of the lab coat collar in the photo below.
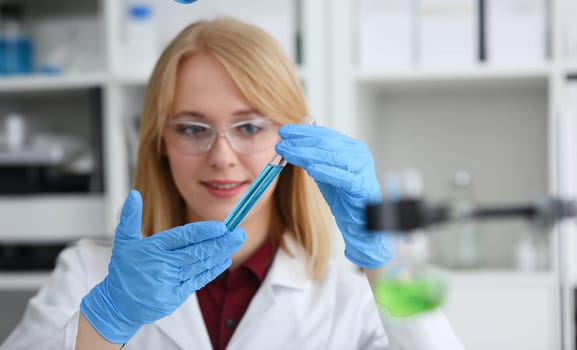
(289, 269)
(287, 276)
(186, 325)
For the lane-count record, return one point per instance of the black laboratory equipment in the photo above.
(408, 285)
(51, 143)
(408, 214)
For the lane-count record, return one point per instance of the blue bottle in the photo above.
(16, 55)
(2, 54)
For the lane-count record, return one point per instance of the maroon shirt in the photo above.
(224, 300)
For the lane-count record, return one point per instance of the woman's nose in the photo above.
(221, 154)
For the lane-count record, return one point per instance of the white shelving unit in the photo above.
(40, 83)
(420, 75)
(23, 281)
(501, 123)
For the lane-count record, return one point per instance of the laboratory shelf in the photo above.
(416, 76)
(131, 79)
(52, 217)
(30, 280)
(28, 83)
(501, 278)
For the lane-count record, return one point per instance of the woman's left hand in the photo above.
(344, 171)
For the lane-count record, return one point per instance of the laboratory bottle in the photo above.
(141, 37)
(16, 54)
(532, 250)
(16, 130)
(462, 232)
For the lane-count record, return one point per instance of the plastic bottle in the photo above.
(462, 233)
(16, 129)
(16, 56)
(141, 37)
(531, 250)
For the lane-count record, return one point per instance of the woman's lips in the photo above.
(224, 189)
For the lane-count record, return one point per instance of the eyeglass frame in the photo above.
(218, 132)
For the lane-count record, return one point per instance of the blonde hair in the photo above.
(268, 80)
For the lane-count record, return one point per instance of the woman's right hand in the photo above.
(149, 278)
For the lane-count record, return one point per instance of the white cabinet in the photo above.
(503, 310)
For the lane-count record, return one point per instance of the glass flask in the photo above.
(408, 285)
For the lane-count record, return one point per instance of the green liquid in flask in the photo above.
(404, 298)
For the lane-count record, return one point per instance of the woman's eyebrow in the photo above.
(245, 112)
(199, 115)
(193, 114)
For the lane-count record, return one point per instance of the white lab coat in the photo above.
(289, 311)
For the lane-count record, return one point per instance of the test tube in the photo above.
(258, 187)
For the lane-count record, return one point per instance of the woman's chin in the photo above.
(219, 216)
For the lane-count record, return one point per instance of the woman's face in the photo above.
(212, 182)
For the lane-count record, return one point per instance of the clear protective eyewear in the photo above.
(194, 137)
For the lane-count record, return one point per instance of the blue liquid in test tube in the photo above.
(258, 187)
(252, 195)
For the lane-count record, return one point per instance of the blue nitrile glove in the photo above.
(344, 171)
(149, 278)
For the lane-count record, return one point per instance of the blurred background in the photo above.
(476, 98)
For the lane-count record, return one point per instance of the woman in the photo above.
(220, 96)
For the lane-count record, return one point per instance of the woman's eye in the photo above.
(249, 128)
(192, 129)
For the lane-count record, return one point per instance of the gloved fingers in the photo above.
(321, 137)
(189, 234)
(354, 187)
(341, 144)
(128, 229)
(202, 279)
(343, 180)
(351, 156)
(302, 131)
(369, 249)
(305, 157)
(224, 246)
(189, 271)
(218, 248)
